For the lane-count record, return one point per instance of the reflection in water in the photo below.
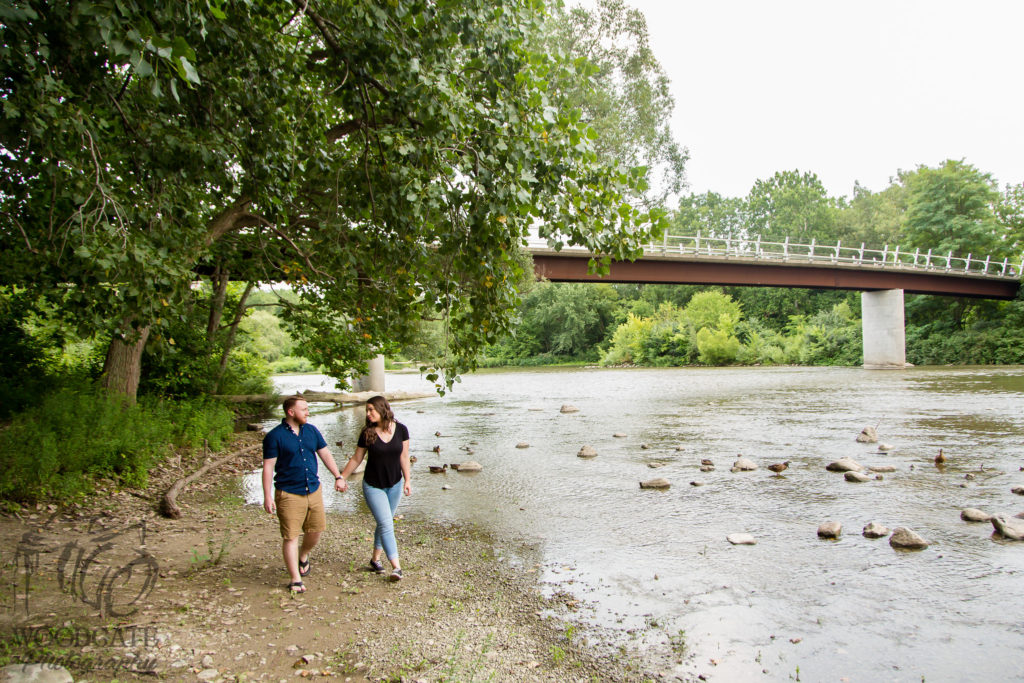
(658, 562)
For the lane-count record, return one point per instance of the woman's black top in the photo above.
(384, 458)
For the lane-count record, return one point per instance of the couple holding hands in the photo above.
(290, 452)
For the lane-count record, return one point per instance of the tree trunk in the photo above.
(220, 291)
(230, 341)
(123, 367)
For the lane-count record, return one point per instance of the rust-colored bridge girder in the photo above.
(567, 266)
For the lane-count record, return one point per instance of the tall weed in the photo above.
(76, 435)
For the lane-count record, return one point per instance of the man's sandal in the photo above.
(304, 567)
(296, 587)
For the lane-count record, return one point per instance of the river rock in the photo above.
(856, 477)
(587, 452)
(1011, 528)
(867, 435)
(886, 447)
(741, 539)
(35, 673)
(470, 466)
(1019, 490)
(969, 477)
(619, 435)
(658, 483)
(696, 483)
(882, 468)
(975, 515)
(645, 446)
(875, 530)
(830, 530)
(844, 465)
(744, 465)
(655, 465)
(522, 444)
(907, 539)
(1019, 515)
(568, 408)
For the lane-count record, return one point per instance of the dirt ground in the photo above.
(113, 591)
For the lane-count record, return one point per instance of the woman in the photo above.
(387, 475)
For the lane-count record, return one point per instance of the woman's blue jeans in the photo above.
(383, 503)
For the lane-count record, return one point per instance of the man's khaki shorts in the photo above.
(300, 514)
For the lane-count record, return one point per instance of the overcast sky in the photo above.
(852, 91)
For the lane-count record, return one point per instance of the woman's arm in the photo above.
(406, 468)
(351, 466)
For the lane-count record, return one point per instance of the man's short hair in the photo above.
(290, 402)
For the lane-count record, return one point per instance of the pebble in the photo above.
(974, 515)
(619, 435)
(856, 477)
(658, 483)
(741, 539)
(696, 483)
(569, 408)
(830, 530)
(1019, 490)
(844, 465)
(522, 444)
(587, 452)
(907, 539)
(875, 530)
(744, 465)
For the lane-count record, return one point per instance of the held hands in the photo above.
(340, 485)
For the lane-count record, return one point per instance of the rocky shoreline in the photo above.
(216, 608)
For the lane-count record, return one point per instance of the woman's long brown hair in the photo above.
(380, 404)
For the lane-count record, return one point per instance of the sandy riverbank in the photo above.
(204, 597)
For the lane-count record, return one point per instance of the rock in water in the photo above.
(975, 515)
(569, 408)
(882, 468)
(867, 435)
(658, 483)
(1019, 490)
(471, 466)
(744, 465)
(844, 465)
(522, 444)
(1011, 528)
(906, 539)
(886, 447)
(587, 452)
(856, 477)
(741, 539)
(875, 530)
(830, 530)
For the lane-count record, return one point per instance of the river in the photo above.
(653, 569)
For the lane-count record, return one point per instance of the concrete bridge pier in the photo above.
(374, 379)
(885, 341)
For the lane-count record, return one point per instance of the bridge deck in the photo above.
(570, 265)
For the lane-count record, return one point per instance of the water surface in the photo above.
(653, 568)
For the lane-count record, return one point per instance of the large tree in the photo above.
(951, 208)
(628, 100)
(792, 204)
(385, 160)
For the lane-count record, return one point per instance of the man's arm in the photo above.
(328, 460)
(268, 484)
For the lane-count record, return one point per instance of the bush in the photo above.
(77, 435)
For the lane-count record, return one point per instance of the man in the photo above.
(289, 461)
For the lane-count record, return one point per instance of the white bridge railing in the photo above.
(755, 248)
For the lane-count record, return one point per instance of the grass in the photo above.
(82, 435)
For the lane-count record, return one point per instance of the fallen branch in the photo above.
(168, 504)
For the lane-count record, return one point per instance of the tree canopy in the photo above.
(386, 160)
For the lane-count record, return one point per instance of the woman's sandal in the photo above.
(296, 587)
(304, 567)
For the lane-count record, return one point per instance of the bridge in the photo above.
(881, 275)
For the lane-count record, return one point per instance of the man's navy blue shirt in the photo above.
(296, 468)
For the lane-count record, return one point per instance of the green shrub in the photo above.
(76, 435)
